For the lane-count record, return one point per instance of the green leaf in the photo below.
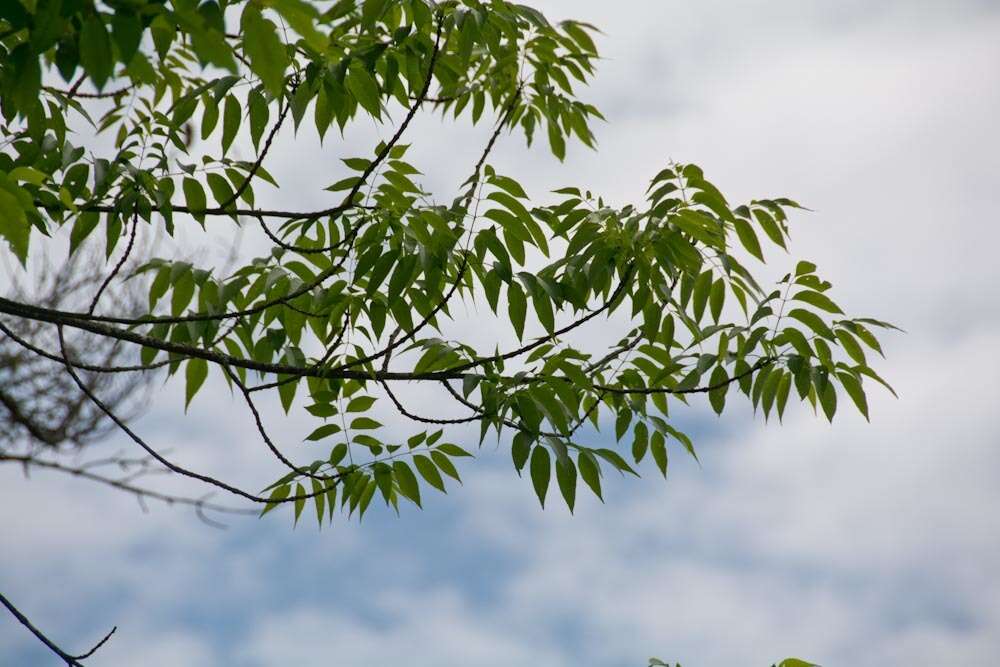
(231, 115)
(784, 388)
(194, 376)
(622, 422)
(590, 472)
(360, 404)
(769, 226)
(445, 465)
(828, 400)
(850, 345)
(852, 386)
(364, 89)
(383, 479)
(319, 499)
(23, 79)
(798, 341)
(429, 472)
(717, 396)
(14, 225)
(127, 31)
(279, 494)
(259, 114)
(182, 294)
(819, 300)
(699, 297)
(324, 431)
(804, 268)
(84, 225)
(520, 449)
(364, 423)
(640, 441)
(658, 448)
(517, 306)
(556, 141)
(541, 471)
(811, 320)
(210, 46)
(221, 190)
(268, 57)
(300, 501)
(543, 309)
(748, 238)
(717, 298)
(452, 450)
(286, 394)
(509, 185)
(95, 51)
(612, 457)
(194, 195)
(566, 478)
(301, 16)
(406, 481)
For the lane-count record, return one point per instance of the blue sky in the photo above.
(861, 544)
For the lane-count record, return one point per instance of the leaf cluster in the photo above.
(354, 298)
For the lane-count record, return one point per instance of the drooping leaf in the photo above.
(541, 471)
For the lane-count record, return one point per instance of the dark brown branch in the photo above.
(118, 266)
(263, 432)
(426, 420)
(72, 92)
(71, 660)
(159, 457)
(76, 364)
(55, 317)
(213, 211)
(506, 422)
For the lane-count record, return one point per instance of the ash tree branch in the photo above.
(118, 267)
(69, 659)
(83, 472)
(77, 364)
(159, 457)
(456, 373)
(258, 420)
(426, 420)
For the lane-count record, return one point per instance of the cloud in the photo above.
(436, 628)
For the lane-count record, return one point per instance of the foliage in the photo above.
(373, 277)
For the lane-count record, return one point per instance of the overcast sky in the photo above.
(860, 544)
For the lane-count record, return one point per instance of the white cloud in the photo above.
(435, 628)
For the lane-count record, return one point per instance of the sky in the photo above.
(851, 543)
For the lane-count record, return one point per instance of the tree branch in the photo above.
(71, 660)
(84, 473)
